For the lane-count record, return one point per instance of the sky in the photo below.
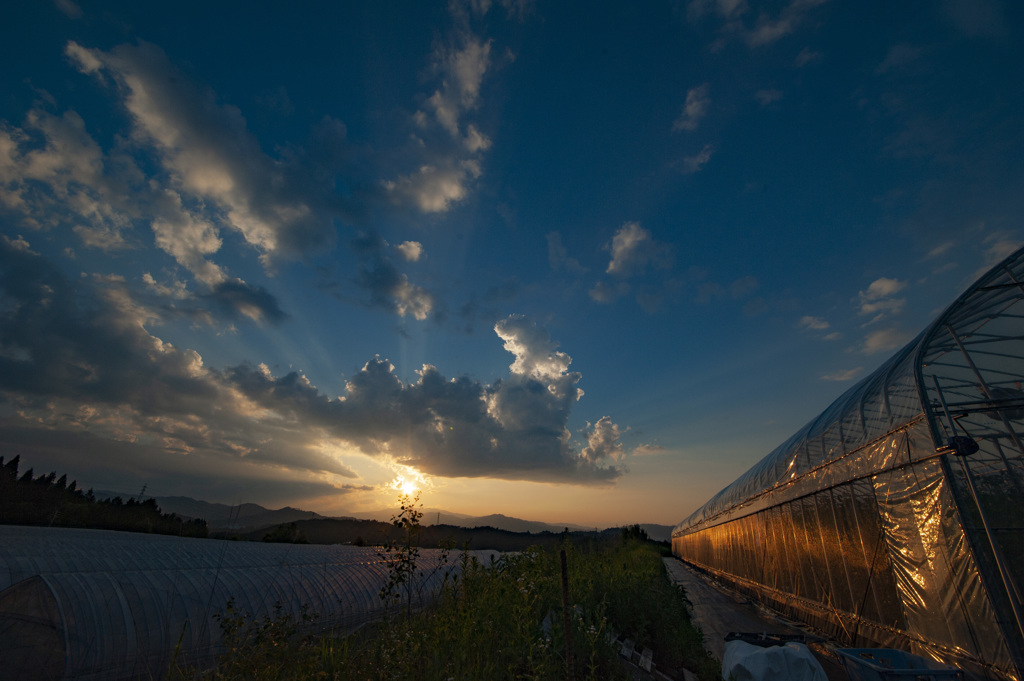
(564, 261)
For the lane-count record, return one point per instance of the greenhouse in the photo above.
(894, 518)
(97, 604)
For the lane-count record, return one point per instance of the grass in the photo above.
(502, 621)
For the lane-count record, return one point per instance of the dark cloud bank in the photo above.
(83, 378)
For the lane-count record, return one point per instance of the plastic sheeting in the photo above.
(868, 524)
(789, 662)
(96, 604)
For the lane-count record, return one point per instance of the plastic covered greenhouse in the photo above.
(97, 604)
(896, 517)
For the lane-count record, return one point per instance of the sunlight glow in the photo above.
(410, 482)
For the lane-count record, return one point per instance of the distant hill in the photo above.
(220, 517)
(253, 517)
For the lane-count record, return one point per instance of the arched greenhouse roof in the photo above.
(98, 604)
(824, 453)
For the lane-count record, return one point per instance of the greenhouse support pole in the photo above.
(1004, 574)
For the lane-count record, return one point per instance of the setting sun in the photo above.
(408, 484)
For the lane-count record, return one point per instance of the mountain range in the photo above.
(250, 517)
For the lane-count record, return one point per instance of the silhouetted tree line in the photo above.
(52, 501)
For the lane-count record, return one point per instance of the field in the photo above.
(503, 621)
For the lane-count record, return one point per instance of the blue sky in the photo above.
(573, 262)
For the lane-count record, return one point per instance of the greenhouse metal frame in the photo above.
(100, 605)
(896, 517)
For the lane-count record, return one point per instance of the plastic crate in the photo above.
(882, 664)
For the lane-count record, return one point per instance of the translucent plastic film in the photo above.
(117, 604)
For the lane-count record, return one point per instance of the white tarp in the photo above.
(791, 662)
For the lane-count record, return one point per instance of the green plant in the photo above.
(402, 554)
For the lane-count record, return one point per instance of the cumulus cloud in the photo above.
(412, 251)
(633, 249)
(603, 441)
(694, 109)
(78, 357)
(537, 356)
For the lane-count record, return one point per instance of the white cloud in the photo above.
(84, 59)
(846, 375)
(813, 323)
(188, 239)
(632, 249)
(67, 181)
(433, 189)
(537, 356)
(412, 251)
(412, 300)
(210, 155)
(18, 244)
(649, 450)
(941, 249)
(462, 71)
(693, 164)
(768, 30)
(884, 340)
(603, 441)
(877, 299)
(694, 109)
(69, 8)
(475, 141)
(882, 288)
